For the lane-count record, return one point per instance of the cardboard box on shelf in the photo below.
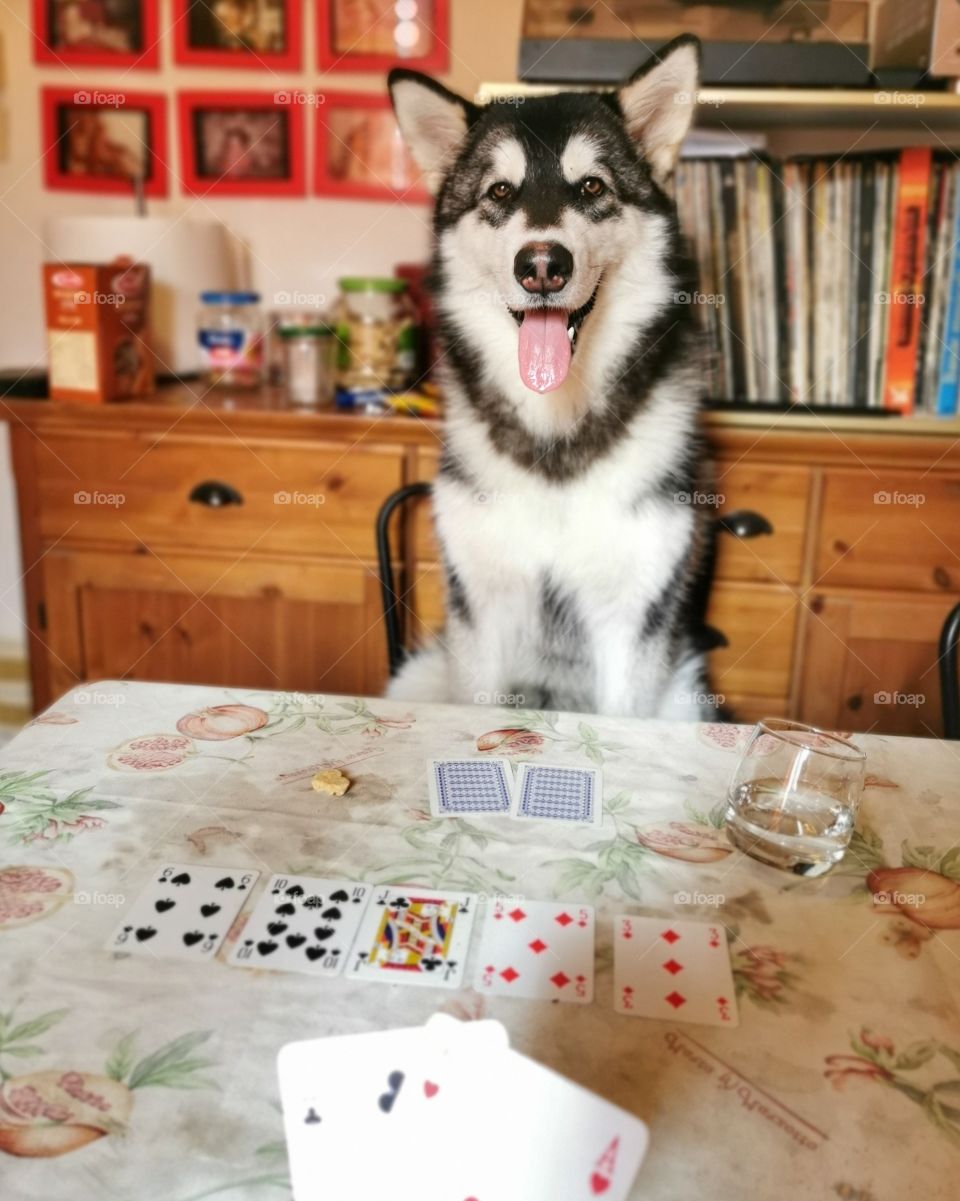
(98, 331)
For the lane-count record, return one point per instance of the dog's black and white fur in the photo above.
(570, 554)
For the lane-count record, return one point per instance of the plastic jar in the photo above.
(230, 334)
(308, 363)
(376, 327)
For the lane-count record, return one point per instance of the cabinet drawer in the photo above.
(780, 494)
(313, 498)
(890, 530)
(759, 622)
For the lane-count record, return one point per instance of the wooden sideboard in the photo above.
(230, 541)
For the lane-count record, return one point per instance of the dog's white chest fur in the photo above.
(555, 582)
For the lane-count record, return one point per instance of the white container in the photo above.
(309, 364)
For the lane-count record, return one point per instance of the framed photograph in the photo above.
(95, 140)
(241, 144)
(360, 151)
(238, 33)
(374, 35)
(111, 33)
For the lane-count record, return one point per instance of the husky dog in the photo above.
(571, 452)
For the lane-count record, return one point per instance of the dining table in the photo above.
(131, 1078)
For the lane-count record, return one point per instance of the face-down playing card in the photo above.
(414, 935)
(302, 924)
(537, 949)
(677, 971)
(477, 786)
(548, 792)
(184, 911)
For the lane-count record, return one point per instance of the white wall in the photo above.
(294, 245)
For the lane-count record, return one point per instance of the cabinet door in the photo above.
(211, 620)
(753, 672)
(870, 663)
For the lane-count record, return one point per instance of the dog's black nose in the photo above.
(543, 267)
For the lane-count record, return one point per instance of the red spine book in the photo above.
(906, 278)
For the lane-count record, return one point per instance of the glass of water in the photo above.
(794, 796)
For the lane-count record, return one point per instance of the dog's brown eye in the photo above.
(500, 191)
(593, 186)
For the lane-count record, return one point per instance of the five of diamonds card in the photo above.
(538, 950)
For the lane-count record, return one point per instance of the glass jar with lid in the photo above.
(230, 335)
(376, 328)
(309, 366)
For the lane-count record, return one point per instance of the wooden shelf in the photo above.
(777, 108)
(836, 421)
(268, 411)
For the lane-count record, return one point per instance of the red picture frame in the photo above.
(44, 50)
(333, 58)
(57, 149)
(230, 181)
(364, 171)
(288, 59)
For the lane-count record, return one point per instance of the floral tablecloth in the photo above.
(125, 1078)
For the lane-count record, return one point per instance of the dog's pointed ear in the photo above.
(432, 119)
(658, 103)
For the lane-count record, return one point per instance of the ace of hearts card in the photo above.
(414, 935)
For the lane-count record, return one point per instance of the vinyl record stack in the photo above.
(828, 282)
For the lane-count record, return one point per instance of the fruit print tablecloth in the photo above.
(123, 1078)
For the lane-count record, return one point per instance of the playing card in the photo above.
(414, 935)
(559, 794)
(537, 949)
(469, 786)
(443, 1113)
(371, 1116)
(302, 924)
(184, 912)
(675, 970)
(533, 1135)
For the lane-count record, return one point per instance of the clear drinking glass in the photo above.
(794, 796)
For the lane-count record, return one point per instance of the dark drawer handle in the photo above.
(744, 523)
(215, 494)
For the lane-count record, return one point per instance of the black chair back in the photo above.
(950, 673)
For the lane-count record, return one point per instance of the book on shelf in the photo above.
(828, 281)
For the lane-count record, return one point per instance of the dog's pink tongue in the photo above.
(544, 349)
